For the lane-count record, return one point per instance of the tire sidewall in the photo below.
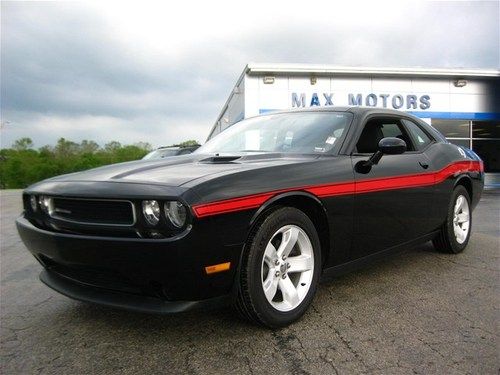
(279, 218)
(455, 246)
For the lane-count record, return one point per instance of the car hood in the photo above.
(180, 170)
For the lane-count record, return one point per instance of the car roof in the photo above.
(361, 110)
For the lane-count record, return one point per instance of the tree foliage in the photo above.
(191, 142)
(22, 165)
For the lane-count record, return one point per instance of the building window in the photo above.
(481, 136)
(460, 142)
(486, 143)
(456, 131)
(453, 128)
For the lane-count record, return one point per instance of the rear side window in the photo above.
(421, 139)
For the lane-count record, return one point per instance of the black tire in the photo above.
(251, 301)
(446, 241)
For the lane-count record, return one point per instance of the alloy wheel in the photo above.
(287, 268)
(461, 219)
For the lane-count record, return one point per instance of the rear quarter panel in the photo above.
(449, 158)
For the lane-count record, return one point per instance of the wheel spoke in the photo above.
(463, 217)
(458, 204)
(463, 234)
(290, 295)
(270, 254)
(289, 240)
(300, 263)
(270, 287)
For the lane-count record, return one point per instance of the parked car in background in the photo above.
(164, 152)
(256, 216)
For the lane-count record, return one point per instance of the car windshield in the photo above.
(158, 154)
(303, 133)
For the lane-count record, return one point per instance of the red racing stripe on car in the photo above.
(458, 168)
(231, 205)
(254, 201)
(343, 188)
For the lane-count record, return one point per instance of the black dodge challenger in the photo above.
(255, 216)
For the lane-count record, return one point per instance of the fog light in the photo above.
(176, 213)
(34, 203)
(151, 211)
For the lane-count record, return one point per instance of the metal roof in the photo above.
(343, 70)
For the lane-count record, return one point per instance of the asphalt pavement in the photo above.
(418, 312)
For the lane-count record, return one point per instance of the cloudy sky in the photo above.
(160, 72)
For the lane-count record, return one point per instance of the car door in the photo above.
(394, 197)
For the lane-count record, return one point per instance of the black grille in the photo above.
(88, 211)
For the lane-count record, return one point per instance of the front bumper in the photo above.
(81, 292)
(155, 275)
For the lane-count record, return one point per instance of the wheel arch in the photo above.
(307, 203)
(466, 182)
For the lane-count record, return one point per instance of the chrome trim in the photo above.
(53, 214)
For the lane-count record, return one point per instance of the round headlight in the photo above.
(151, 211)
(44, 203)
(176, 213)
(33, 203)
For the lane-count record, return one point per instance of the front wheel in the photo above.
(455, 232)
(280, 268)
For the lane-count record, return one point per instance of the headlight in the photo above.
(34, 203)
(45, 203)
(176, 213)
(151, 211)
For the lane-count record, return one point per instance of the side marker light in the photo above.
(218, 268)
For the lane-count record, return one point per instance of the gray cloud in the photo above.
(65, 73)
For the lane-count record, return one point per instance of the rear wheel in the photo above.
(455, 232)
(280, 268)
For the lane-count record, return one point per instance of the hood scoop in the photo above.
(220, 159)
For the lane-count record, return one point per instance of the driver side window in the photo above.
(378, 128)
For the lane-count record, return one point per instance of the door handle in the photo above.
(424, 164)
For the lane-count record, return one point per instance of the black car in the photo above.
(254, 217)
(165, 152)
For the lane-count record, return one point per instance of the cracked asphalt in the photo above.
(418, 312)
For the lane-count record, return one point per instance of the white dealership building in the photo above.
(463, 104)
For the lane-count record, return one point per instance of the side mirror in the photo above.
(387, 146)
(391, 146)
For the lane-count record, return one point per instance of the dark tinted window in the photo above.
(420, 138)
(376, 129)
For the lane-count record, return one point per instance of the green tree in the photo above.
(112, 146)
(22, 165)
(65, 148)
(144, 146)
(88, 147)
(23, 144)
